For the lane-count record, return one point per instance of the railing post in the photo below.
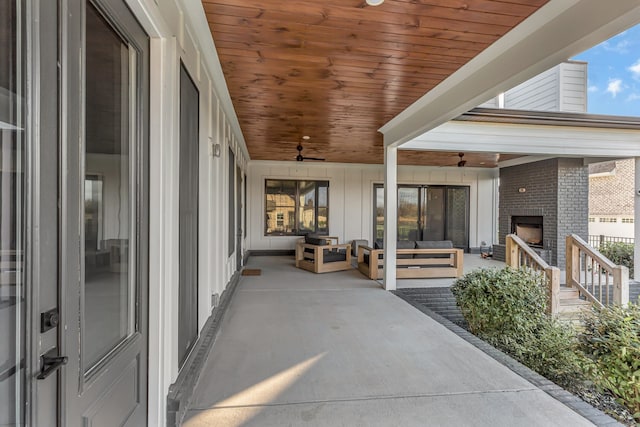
(573, 262)
(601, 241)
(553, 279)
(621, 285)
(512, 253)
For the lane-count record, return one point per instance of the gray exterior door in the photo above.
(239, 219)
(103, 263)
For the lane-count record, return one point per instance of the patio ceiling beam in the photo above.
(533, 140)
(556, 32)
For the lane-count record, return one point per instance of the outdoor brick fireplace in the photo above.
(543, 202)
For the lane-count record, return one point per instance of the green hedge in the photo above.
(611, 342)
(507, 308)
(619, 253)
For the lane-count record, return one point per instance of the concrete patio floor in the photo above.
(296, 348)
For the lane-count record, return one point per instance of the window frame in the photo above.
(297, 207)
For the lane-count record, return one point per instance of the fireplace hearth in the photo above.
(529, 229)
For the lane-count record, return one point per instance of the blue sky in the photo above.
(614, 75)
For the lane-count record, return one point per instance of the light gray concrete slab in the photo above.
(293, 342)
(508, 409)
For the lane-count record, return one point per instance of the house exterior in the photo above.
(131, 193)
(611, 198)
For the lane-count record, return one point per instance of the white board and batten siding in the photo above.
(351, 204)
(562, 88)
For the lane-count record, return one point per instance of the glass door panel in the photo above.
(408, 213)
(433, 219)
(12, 227)
(457, 216)
(109, 283)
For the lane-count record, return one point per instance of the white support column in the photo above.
(390, 216)
(636, 220)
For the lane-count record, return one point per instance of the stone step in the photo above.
(575, 305)
(569, 293)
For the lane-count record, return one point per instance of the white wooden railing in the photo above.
(519, 254)
(596, 277)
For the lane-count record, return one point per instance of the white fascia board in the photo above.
(522, 161)
(194, 13)
(535, 140)
(556, 32)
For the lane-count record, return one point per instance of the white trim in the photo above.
(568, 141)
(390, 217)
(522, 161)
(545, 39)
(162, 253)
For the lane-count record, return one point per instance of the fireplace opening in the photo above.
(529, 229)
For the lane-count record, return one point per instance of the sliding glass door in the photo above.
(12, 215)
(427, 213)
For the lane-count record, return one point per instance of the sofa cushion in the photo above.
(334, 256)
(367, 256)
(433, 244)
(405, 244)
(315, 240)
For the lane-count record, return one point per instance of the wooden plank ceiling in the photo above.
(337, 70)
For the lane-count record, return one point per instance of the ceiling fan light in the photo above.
(374, 2)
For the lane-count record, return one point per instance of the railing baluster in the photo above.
(607, 283)
(600, 281)
(593, 282)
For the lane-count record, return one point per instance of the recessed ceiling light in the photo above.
(306, 137)
(375, 2)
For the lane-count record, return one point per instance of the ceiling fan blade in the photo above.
(313, 158)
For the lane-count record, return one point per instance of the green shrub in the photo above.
(611, 342)
(619, 253)
(507, 308)
(551, 351)
(498, 302)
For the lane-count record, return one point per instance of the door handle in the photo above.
(50, 363)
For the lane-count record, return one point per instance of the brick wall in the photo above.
(556, 189)
(573, 203)
(613, 194)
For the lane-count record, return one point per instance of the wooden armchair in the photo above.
(322, 254)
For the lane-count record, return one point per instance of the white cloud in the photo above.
(635, 70)
(614, 87)
(633, 97)
(620, 47)
(592, 88)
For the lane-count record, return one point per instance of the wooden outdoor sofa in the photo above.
(322, 254)
(414, 260)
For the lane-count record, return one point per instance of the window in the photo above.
(188, 216)
(592, 219)
(296, 207)
(609, 220)
(627, 220)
